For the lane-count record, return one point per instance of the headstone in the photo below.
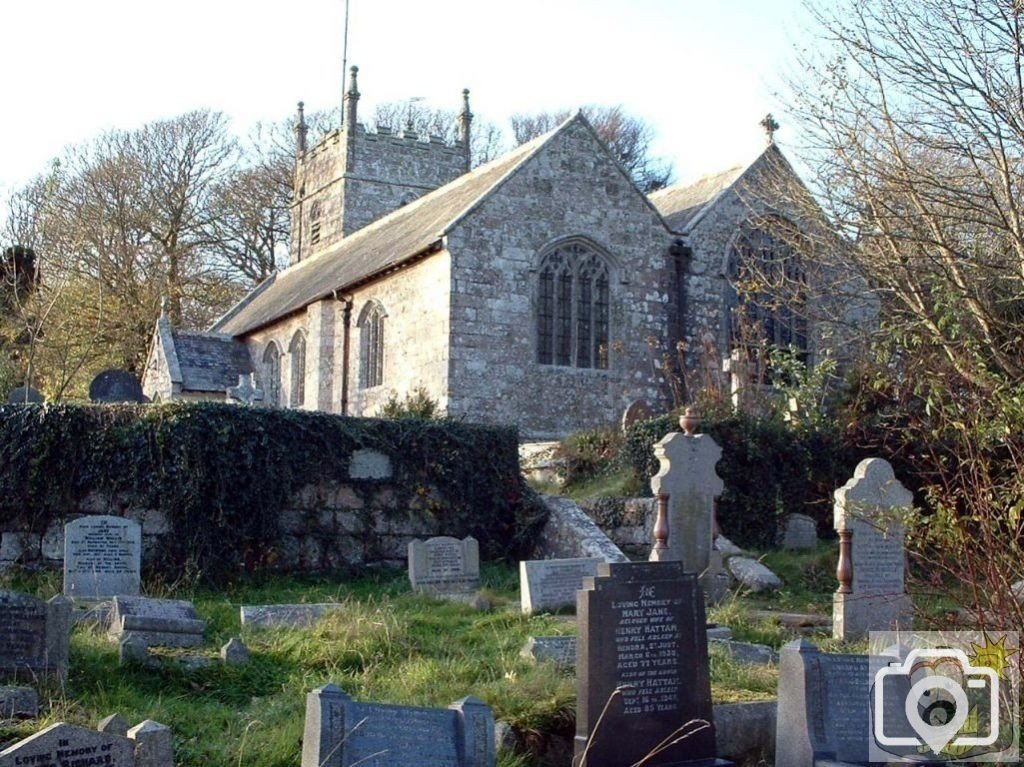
(161, 622)
(642, 668)
(687, 475)
(445, 567)
(871, 506)
(799, 532)
(341, 732)
(115, 724)
(66, 745)
(637, 410)
(116, 386)
(293, 616)
(102, 557)
(824, 709)
(153, 744)
(24, 395)
(18, 703)
(560, 650)
(746, 653)
(551, 584)
(234, 653)
(33, 636)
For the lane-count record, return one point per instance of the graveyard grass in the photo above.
(384, 645)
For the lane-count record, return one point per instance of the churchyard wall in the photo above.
(223, 489)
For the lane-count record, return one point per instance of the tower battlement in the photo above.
(355, 175)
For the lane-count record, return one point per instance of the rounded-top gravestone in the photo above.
(24, 395)
(116, 386)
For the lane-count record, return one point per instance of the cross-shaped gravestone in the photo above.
(246, 392)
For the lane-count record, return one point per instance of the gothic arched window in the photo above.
(371, 345)
(272, 368)
(573, 307)
(766, 290)
(297, 352)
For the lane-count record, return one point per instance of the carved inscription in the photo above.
(845, 686)
(63, 745)
(647, 637)
(379, 736)
(22, 632)
(877, 561)
(444, 560)
(101, 549)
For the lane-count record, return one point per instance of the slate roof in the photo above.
(411, 231)
(682, 204)
(209, 363)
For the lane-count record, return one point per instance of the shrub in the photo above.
(417, 404)
(769, 468)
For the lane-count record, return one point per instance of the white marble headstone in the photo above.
(102, 557)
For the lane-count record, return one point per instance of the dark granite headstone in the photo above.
(824, 709)
(642, 668)
(33, 636)
(24, 395)
(341, 732)
(116, 386)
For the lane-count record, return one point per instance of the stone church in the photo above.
(541, 289)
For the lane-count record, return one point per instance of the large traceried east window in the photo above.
(371, 345)
(766, 290)
(297, 352)
(573, 307)
(272, 368)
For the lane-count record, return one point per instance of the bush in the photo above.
(589, 454)
(769, 468)
(417, 404)
(221, 473)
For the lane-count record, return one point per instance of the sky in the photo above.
(702, 73)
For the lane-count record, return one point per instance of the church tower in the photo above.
(354, 176)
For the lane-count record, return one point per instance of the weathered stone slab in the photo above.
(369, 464)
(341, 732)
(66, 745)
(234, 652)
(569, 532)
(642, 667)
(153, 744)
(753, 574)
(294, 616)
(799, 532)
(746, 653)
(560, 650)
(162, 622)
(102, 557)
(551, 584)
(445, 566)
(33, 636)
(18, 703)
(871, 506)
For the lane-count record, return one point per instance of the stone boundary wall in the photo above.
(324, 526)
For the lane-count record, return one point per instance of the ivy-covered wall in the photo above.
(222, 490)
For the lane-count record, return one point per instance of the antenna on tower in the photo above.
(344, 64)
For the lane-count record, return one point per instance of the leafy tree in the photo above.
(629, 139)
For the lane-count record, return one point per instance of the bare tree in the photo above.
(629, 139)
(914, 119)
(914, 115)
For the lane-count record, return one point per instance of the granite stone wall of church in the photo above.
(416, 329)
(570, 189)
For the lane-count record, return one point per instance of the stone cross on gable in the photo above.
(770, 125)
(246, 392)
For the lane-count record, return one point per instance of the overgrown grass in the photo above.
(383, 644)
